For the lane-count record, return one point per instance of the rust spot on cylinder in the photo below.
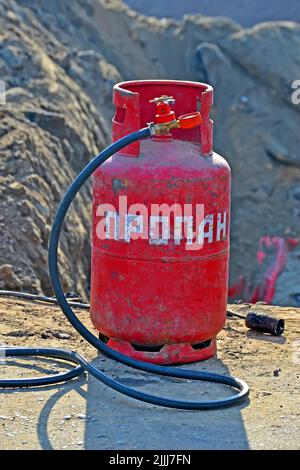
(118, 185)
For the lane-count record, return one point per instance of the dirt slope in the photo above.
(59, 61)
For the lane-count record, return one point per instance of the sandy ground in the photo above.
(84, 414)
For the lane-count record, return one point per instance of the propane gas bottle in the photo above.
(160, 242)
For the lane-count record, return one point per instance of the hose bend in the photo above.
(81, 362)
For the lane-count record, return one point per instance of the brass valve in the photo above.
(165, 118)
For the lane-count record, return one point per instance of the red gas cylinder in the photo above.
(160, 247)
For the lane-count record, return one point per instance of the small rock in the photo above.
(11, 55)
(280, 153)
(244, 99)
(27, 281)
(63, 336)
(276, 372)
(73, 295)
(9, 277)
(17, 188)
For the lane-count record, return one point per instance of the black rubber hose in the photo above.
(41, 352)
(94, 341)
(40, 298)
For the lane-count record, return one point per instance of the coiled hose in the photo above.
(74, 357)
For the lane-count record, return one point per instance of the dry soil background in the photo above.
(59, 61)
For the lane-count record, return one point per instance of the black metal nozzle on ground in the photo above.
(265, 324)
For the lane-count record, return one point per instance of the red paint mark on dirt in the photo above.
(271, 258)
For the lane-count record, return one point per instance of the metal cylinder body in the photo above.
(160, 245)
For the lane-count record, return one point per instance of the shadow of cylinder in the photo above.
(119, 422)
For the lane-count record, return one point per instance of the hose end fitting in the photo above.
(265, 324)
